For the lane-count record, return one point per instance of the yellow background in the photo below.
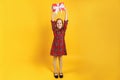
(92, 39)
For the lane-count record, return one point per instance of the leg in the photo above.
(60, 63)
(55, 67)
(54, 64)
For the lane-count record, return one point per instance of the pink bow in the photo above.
(58, 7)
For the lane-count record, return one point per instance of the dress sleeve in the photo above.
(65, 24)
(53, 23)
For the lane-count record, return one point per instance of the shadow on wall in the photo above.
(42, 55)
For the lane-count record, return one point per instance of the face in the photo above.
(59, 24)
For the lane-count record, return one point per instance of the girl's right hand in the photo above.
(53, 16)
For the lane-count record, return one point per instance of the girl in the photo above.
(58, 46)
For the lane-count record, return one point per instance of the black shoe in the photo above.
(55, 75)
(61, 75)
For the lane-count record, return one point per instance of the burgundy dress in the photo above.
(58, 45)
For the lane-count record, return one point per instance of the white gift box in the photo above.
(58, 7)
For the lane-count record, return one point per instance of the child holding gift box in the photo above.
(58, 46)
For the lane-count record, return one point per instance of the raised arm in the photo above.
(66, 15)
(53, 16)
(66, 19)
(53, 23)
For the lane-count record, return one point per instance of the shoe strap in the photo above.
(61, 73)
(55, 74)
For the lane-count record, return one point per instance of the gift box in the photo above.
(56, 7)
